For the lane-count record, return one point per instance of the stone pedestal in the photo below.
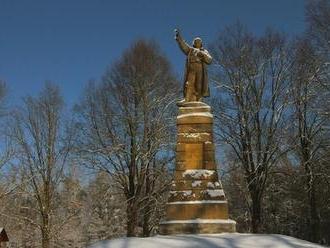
(197, 203)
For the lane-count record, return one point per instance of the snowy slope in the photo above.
(225, 240)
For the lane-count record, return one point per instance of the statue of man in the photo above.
(195, 77)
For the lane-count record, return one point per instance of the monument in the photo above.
(197, 203)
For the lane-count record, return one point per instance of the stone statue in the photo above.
(197, 201)
(195, 77)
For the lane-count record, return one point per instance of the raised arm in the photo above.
(182, 44)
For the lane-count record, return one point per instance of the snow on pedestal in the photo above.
(200, 173)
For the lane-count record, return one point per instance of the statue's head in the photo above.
(197, 42)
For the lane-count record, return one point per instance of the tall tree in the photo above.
(311, 136)
(318, 20)
(7, 150)
(43, 146)
(251, 75)
(125, 124)
(318, 32)
(317, 102)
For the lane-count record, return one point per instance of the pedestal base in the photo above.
(197, 203)
(197, 226)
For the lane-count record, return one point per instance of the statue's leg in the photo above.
(199, 82)
(190, 94)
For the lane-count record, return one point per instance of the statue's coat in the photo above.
(207, 59)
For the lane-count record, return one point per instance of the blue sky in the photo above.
(72, 41)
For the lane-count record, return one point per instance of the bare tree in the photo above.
(104, 208)
(126, 124)
(7, 151)
(318, 32)
(318, 20)
(309, 126)
(251, 75)
(43, 146)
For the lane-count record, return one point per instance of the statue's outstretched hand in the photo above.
(177, 34)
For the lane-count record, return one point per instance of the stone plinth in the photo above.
(197, 203)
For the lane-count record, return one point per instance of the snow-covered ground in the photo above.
(225, 240)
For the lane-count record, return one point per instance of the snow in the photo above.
(184, 192)
(224, 240)
(199, 108)
(215, 192)
(187, 192)
(191, 135)
(196, 183)
(198, 202)
(210, 185)
(198, 173)
(203, 114)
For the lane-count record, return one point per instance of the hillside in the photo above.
(225, 240)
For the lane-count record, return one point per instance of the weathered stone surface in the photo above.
(196, 192)
(209, 146)
(201, 210)
(195, 184)
(191, 152)
(199, 109)
(195, 164)
(209, 165)
(200, 118)
(169, 228)
(198, 175)
(194, 128)
(209, 156)
(194, 137)
(191, 164)
(195, 104)
(180, 147)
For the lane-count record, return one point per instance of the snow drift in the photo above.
(224, 240)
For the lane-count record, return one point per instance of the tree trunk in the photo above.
(132, 195)
(315, 221)
(131, 218)
(45, 232)
(147, 208)
(313, 214)
(146, 220)
(256, 206)
(256, 215)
